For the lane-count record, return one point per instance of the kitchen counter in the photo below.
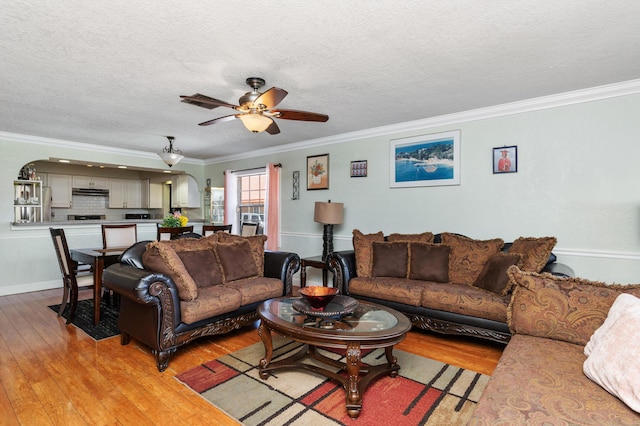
(67, 223)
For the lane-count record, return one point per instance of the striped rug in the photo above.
(426, 392)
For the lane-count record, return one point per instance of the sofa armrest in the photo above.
(343, 266)
(281, 265)
(559, 270)
(144, 287)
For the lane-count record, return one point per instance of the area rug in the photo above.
(83, 319)
(426, 392)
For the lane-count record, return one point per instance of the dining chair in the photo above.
(249, 229)
(122, 235)
(72, 278)
(212, 229)
(170, 233)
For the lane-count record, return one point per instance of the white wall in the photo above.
(577, 180)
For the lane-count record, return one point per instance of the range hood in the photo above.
(90, 191)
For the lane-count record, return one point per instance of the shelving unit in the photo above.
(27, 201)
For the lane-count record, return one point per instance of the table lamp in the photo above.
(328, 214)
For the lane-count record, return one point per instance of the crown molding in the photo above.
(630, 87)
(60, 143)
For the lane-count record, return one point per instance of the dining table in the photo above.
(98, 258)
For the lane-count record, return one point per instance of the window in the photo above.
(252, 193)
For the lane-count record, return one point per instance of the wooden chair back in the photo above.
(123, 235)
(212, 229)
(169, 233)
(249, 229)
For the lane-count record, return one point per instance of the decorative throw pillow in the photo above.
(468, 256)
(567, 309)
(493, 276)
(613, 361)
(425, 237)
(390, 260)
(535, 252)
(236, 260)
(202, 266)
(256, 242)
(162, 256)
(429, 262)
(364, 254)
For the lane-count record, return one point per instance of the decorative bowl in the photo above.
(318, 297)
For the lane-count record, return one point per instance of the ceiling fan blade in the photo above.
(273, 128)
(290, 114)
(205, 101)
(271, 97)
(219, 120)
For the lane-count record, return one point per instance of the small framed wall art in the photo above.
(505, 159)
(359, 168)
(318, 172)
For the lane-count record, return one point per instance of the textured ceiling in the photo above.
(111, 73)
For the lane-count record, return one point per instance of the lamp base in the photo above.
(327, 241)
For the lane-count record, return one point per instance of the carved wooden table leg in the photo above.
(392, 360)
(265, 334)
(354, 398)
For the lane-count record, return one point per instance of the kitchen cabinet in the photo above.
(90, 182)
(27, 201)
(124, 194)
(151, 195)
(184, 192)
(60, 190)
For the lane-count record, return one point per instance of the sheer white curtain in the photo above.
(231, 199)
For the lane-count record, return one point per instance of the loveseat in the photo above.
(544, 375)
(447, 283)
(173, 292)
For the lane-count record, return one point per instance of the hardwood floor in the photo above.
(56, 374)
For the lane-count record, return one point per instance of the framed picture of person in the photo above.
(359, 168)
(505, 159)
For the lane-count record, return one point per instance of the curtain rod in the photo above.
(279, 165)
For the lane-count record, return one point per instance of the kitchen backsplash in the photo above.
(97, 205)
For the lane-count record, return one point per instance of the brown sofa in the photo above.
(539, 378)
(447, 283)
(173, 292)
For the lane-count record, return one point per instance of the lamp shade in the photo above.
(328, 213)
(171, 158)
(255, 122)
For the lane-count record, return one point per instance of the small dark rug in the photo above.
(426, 392)
(83, 319)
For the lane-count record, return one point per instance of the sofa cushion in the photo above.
(390, 259)
(540, 381)
(162, 256)
(612, 352)
(569, 309)
(468, 256)
(429, 262)
(203, 267)
(493, 276)
(211, 301)
(465, 300)
(425, 237)
(256, 242)
(236, 260)
(399, 290)
(535, 252)
(364, 252)
(257, 289)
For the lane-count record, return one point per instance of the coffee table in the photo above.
(370, 326)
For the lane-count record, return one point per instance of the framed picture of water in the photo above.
(427, 160)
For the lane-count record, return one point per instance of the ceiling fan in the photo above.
(256, 109)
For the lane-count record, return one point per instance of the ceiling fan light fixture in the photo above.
(256, 123)
(169, 155)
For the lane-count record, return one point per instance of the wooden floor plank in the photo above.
(51, 373)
